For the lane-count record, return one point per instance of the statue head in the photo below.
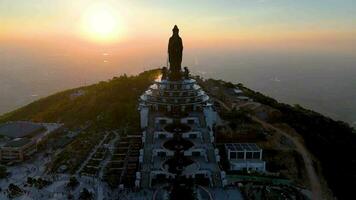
(175, 29)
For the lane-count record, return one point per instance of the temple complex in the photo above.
(177, 119)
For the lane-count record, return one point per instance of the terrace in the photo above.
(125, 161)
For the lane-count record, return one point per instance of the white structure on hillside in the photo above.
(171, 109)
(245, 156)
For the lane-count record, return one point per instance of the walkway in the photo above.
(91, 154)
(100, 184)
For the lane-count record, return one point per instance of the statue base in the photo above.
(175, 76)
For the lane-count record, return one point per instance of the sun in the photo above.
(101, 23)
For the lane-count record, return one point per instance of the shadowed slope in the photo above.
(111, 102)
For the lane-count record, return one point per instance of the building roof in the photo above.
(20, 129)
(17, 142)
(243, 97)
(242, 147)
(238, 91)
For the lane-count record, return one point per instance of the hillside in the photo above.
(88, 113)
(110, 103)
(332, 142)
(113, 104)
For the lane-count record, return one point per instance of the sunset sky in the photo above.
(225, 21)
(270, 45)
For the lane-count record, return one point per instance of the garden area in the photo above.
(77, 151)
(238, 127)
(124, 162)
(92, 167)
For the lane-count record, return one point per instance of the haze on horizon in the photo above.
(296, 51)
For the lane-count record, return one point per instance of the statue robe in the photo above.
(175, 49)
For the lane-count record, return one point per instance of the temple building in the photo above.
(177, 119)
(19, 139)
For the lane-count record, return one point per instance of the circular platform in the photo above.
(178, 144)
(177, 128)
(176, 166)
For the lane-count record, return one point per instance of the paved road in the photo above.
(313, 178)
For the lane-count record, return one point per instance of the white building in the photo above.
(20, 138)
(245, 156)
(177, 119)
(238, 92)
(166, 107)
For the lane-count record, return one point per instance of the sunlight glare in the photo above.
(101, 23)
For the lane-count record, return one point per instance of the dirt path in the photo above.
(300, 148)
(313, 178)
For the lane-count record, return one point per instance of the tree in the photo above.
(3, 172)
(85, 195)
(30, 181)
(14, 191)
(183, 189)
(73, 183)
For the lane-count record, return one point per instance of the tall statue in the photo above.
(164, 73)
(175, 49)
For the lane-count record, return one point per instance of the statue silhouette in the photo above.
(164, 73)
(175, 49)
(186, 73)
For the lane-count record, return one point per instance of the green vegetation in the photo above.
(332, 142)
(73, 183)
(261, 178)
(77, 151)
(113, 104)
(103, 106)
(225, 165)
(38, 183)
(184, 189)
(3, 172)
(109, 103)
(112, 177)
(85, 195)
(14, 191)
(238, 116)
(256, 190)
(239, 128)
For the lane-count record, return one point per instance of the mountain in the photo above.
(332, 142)
(112, 104)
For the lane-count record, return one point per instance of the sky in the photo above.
(298, 51)
(203, 20)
